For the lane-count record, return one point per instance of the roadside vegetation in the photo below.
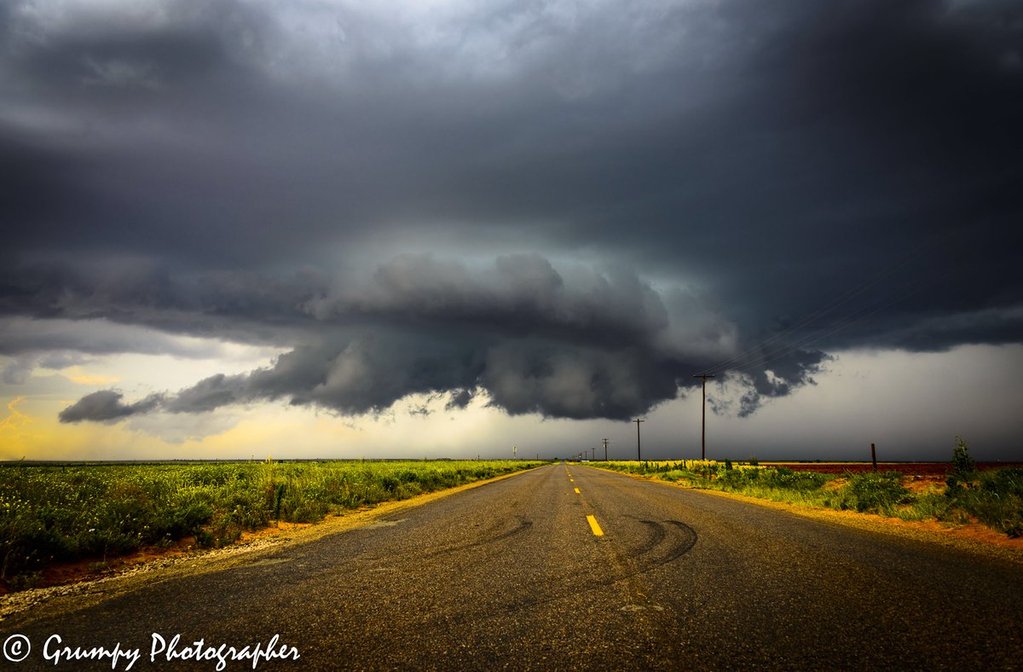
(993, 497)
(62, 513)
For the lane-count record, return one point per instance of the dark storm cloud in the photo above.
(797, 176)
(236, 305)
(106, 406)
(518, 295)
(576, 343)
(551, 379)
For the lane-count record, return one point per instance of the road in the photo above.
(513, 575)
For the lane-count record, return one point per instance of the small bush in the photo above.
(932, 505)
(964, 469)
(875, 492)
(996, 499)
(788, 479)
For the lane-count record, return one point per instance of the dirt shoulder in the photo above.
(82, 584)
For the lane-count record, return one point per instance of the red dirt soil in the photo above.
(908, 468)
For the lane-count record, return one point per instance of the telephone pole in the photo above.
(703, 424)
(637, 421)
(605, 450)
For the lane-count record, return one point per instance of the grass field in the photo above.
(992, 496)
(61, 513)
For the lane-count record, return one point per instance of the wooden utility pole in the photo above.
(873, 456)
(637, 421)
(605, 449)
(703, 424)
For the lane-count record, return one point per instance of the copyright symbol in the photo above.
(17, 648)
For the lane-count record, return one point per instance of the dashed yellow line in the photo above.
(597, 532)
(571, 480)
(577, 491)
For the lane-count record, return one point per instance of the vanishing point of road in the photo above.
(568, 567)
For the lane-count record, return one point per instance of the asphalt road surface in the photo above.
(517, 575)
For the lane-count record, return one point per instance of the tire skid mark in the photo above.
(491, 536)
(524, 524)
(657, 534)
(656, 551)
(683, 538)
(686, 539)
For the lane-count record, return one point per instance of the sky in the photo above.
(456, 228)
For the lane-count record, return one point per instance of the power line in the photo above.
(760, 354)
(807, 319)
(755, 353)
(849, 321)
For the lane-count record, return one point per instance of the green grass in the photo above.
(781, 484)
(993, 497)
(55, 513)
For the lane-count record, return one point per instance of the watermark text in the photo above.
(160, 649)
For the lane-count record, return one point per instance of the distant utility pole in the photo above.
(703, 424)
(637, 421)
(605, 450)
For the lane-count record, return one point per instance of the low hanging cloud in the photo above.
(742, 392)
(576, 343)
(106, 406)
(553, 380)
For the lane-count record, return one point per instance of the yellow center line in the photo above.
(577, 491)
(571, 480)
(597, 532)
